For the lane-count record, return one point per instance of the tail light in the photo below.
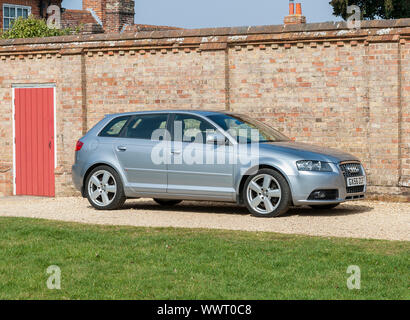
(79, 145)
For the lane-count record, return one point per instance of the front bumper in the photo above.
(304, 183)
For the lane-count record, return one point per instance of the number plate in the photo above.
(356, 181)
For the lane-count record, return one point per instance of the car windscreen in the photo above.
(246, 130)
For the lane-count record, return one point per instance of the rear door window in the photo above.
(147, 127)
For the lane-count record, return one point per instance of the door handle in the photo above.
(122, 148)
(176, 151)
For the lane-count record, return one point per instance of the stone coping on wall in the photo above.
(216, 38)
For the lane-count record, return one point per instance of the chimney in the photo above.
(295, 18)
(97, 7)
(113, 14)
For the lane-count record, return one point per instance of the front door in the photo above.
(34, 141)
(197, 168)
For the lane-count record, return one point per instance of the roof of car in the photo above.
(199, 112)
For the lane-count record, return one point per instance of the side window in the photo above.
(147, 127)
(113, 129)
(189, 128)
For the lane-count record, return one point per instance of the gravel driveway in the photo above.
(363, 219)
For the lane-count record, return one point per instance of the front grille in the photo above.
(352, 169)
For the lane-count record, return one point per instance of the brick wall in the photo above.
(318, 83)
(181, 80)
(404, 123)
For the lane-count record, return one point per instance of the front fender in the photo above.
(286, 168)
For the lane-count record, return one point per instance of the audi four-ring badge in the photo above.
(172, 156)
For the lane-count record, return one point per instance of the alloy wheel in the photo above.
(264, 193)
(102, 188)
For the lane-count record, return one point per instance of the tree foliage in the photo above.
(373, 9)
(33, 27)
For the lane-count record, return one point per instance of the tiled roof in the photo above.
(75, 18)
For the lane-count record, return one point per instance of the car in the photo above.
(178, 155)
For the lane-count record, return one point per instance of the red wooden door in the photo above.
(34, 133)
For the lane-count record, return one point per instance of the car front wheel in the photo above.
(267, 194)
(104, 189)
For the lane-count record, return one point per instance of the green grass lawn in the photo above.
(104, 262)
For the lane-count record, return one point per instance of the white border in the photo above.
(32, 86)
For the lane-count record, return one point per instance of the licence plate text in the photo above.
(355, 181)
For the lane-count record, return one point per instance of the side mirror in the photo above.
(216, 138)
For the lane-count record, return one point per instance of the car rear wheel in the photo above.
(167, 202)
(325, 206)
(267, 194)
(104, 189)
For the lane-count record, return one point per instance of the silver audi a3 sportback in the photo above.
(214, 156)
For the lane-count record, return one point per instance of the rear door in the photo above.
(140, 150)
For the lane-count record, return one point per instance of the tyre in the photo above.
(325, 206)
(167, 202)
(104, 189)
(267, 194)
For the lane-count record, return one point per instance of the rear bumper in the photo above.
(77, 178)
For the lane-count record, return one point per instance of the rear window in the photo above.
(114, 128)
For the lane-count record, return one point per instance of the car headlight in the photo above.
(313, 165)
